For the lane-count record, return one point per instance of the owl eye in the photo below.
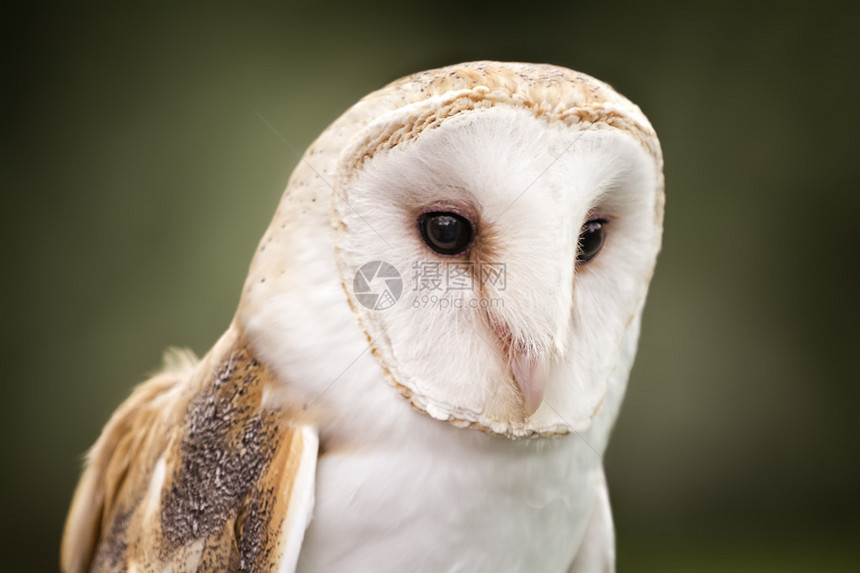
(591, 239)
(445, 233)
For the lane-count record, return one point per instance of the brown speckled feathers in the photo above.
(193, 474)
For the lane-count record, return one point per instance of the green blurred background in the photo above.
(137, 180)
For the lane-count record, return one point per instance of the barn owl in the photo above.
(430, 349)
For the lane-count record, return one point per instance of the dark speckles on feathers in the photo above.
(112, 556)
(227, 446)
(253, 533)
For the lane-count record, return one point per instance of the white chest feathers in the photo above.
(444, 507)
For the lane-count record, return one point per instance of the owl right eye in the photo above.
(446, 233)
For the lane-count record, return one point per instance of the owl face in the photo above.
(507, 215)
(524, 244)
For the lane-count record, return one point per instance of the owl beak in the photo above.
(530, 371)
(530, 375)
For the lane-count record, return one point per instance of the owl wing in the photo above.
(597, 550)
(193, 473)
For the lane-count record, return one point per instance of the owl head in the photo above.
(490, 228)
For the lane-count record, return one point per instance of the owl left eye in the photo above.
(591, 238)
(445, 233)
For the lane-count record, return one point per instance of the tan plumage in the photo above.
(191, 472)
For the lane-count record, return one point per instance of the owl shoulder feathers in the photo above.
(193, 472)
